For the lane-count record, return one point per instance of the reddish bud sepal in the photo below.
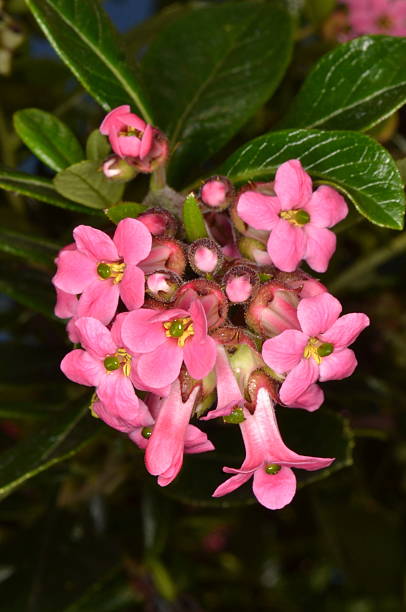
(205, 257)
(273, 309)
(160, 222)
(217, 193)
(210, 295)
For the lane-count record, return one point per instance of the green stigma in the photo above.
(176, 328)
(235, 417)
(325, 349)
(104, 270)
(146, 432)
(302, 217)
(272, 468)
(111, 363)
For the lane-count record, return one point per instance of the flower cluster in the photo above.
(359, 17)
(227, 326)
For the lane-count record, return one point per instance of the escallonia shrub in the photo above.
(225, 327)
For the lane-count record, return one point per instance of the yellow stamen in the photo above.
(125, 360)
(128, 130)
(111, 270)
(181, 329)
(311, 349)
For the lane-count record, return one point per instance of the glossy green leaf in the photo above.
(84, 38)
(97, 146)
(39, 188)
(193, 219)
(60, 438)
(217, 65)
(122, 210)
(85, 183)
(353, 163)
(31, 248)
(353, 87)
(318, 434)
(48, 138)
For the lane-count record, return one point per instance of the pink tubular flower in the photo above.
(172, 436)
(319, 350)
(267, 459)
(106, 363)
(129, 135)
(166, 339)
(102, 269)
(375, 17)
(297, 218)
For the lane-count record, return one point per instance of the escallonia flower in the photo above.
(102, 269)
(316, 351)
(267, 459)
(296, 218)
(165, 339)
(106, 363)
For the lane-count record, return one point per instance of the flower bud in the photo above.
(217, 193)
(162, 285)
(254, 249)
(239, 283)
(244, 361)
(206, 395)
(210, 295)
(305, 285)
(166, 253)
(159, 221)
(260, 380)
(230, 336)
(273, 309)
(157, 156)
(205, 256)
(118, 170)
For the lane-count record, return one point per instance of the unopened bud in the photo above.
(119, 170)
(230, 336)
(163, 284)
(206, 395)
(211, 297)
(244, 361)
(273, 309)
(205, 256)
(159, 221)
(217, 193)
(254, 249)
(260, 380)
(239, 283)
(166, 253)
(305, 285)
(157, 156)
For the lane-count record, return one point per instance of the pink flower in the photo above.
(267, 459)
(106, 363)
(66, 308)
(102, 269)
(129, 135)
(376, 17)
(172, 435)
(319, 350)
(166, 339)
(297, 218)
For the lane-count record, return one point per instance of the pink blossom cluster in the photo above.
(373, 17)
(226, 327)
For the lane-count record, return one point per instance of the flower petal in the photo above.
(274, 491)
(132, 287)
(298, 380)
(139, 333)
(320, 246)
(94, 243)
(133, 240)
(99, 300)
(228, 391)
(200, 356)
(231, 484)
(82, 368)
(346, 329)
(310, 400)
(66, 304)
(286, 245)
(161, 366)
(283, 352)
(317, 314)
(75, 271)
(293, 185)
(95, 337)
(326, 207)
(338, 365)
(258, 210)
(146, 141)
(117, 394)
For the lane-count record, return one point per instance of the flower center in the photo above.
(113, 270)
(384, 22)
(296, 217)
(120, 359)
(181, 329)
(272, 468)
(128, 130)
(316, 349)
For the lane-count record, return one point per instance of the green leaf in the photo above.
(29, 287)
(353, 163)
(84, 38)
(60, 438)
(319, 434)
(85, 183)
(353, 87)
(48, 138)
(97, 146)
(193, 219)
(39, 188)
(31, 248)
(122, 210)
(318, 10)
(217, 65)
